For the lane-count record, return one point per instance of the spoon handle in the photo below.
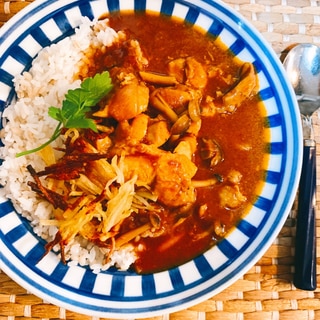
(305, 277)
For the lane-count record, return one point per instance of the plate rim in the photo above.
(35, 5)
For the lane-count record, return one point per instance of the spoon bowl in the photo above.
(302, 64)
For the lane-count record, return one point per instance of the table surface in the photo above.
(266, 291)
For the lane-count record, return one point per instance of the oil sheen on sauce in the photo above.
(241, 135)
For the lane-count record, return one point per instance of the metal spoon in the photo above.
(302, 64)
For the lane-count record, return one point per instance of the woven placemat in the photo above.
(266, 291)
(9, 8)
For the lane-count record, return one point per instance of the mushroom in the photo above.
(210, 150)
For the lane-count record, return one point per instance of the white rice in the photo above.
(27, 125)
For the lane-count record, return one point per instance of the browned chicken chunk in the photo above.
(173, 180)
(242, 90)
(127, 102)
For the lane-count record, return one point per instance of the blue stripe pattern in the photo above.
(117, 289)
(176, 278)
(266, 94)
(59, 273)
(20, 55)
(36, 253)
(6, 77)
(277, 147)
(203, 266)
(88, 281)
(192, 16)
(40, 36)
(247, 228)
(6, 208)
(258, 66)
(63, 23)
(16, 233)
(237, 46)
(275, 120)
(273, 177)
(167, 7)
(86, 10)
(148, 286)
(264, 62)
(113, 5)
(140, 6)
(3, 105)
(215, 29)
(227, 249)
(263, 203)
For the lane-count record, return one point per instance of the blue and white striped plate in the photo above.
(125, 295)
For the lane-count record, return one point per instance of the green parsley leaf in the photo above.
(55, 113)
(78, 102)
(84, 123)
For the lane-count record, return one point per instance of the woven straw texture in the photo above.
(266, 291)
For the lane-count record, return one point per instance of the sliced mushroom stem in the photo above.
(204, 183)
(194, 110)
(130, 235)
(158, 78)
(181, 125)
(161, 105)
(194, 106)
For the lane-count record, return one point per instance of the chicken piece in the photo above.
(208, 107)
(127, 102)
(103, 144)
(123, 76)
(173, 180)
(176, 97)
(219, 73)
(100, 140)
(141, 166)
(135, 53)
(184, 147)
(196, 74)
(176, 69)
(231, 197)
(133, 132)
(158, 133)
(234, 176)
(128, 148)
(139, 127)
(243, 89)
(187, 146)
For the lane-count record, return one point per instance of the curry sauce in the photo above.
(187, 121)
(240, 136)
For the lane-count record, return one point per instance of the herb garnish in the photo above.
(77, 103)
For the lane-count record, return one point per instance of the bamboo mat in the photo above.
(265, 292)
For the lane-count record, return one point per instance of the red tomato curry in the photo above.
(192, 127)
(240, 135)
